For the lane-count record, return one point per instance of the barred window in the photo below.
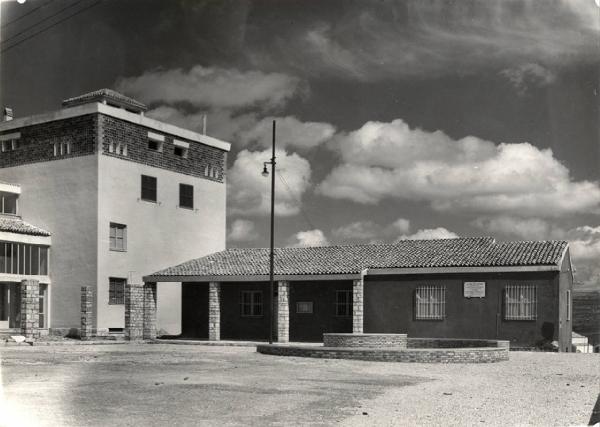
(343, 303)
(304, 307)
(251, 303)
(520, 302)
(430, 303)
(116, 290)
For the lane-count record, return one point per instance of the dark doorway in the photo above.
(194, 310)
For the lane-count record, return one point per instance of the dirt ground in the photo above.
(157, 385)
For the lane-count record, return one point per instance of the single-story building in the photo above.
(446, 288)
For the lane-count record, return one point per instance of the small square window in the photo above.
(148, 188)
(186, 196)
(116, 291)
(155, 145)
(180, 151)
(251, 303)
(117, 237)
(304, 307)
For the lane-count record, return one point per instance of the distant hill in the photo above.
(586, 312)
(589, 287)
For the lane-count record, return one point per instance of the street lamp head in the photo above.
(265, 171)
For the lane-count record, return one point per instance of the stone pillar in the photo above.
(150, 311)
(357, 306)
(214, 311)
(134, 311)
(30, 308)
(87, 313)
(283, 311)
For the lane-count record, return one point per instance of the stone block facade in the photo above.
(214, 311)
(140, 311)
(283, 311)
(201, 161)
(358, 306)
(87, 313)
(30, 293)
(36, 143)
(365, 340)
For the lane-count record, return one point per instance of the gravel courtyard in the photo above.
(140, 384)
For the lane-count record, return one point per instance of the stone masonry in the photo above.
(30, 292)
(150, 311)
(283, 311)
(134, 311)
(357, 306)
(87, 313)
(214, 311)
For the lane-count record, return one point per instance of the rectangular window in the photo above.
(520, 302)
(568, 305)
(116, 290)
(343, 303)
(430, 303)
(42, 305)
(186, 196)
(35, 260)
(43, 261)
(155, 145)
(180, 151)
(118, 237)
(304, 307)
(148, 188)
(9, 204)
(251, 303)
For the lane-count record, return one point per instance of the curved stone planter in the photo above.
(396, 348)
(365, 340)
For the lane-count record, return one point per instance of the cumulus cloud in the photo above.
(291, 132)
(430, 233)
(390, 160)
(526, 75)
(370, 231)
(211, 87)
(308, 238)
(242, 230)
(377, 40)
(249, 192)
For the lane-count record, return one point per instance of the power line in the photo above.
(50, 26)
(289, 190)
(42, 20)
(26, 14)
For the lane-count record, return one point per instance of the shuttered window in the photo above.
(520, 302)
(430, 303)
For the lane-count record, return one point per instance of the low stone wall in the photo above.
(455, 343)
(365, 340)
(456, 355)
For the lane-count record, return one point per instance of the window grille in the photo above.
(304, 307)
(520, 302)
(116, 290)
(251, 303)
(343, 303)
(430, 303)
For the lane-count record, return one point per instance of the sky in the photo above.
(395, 119)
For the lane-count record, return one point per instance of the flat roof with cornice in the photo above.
(119, 113)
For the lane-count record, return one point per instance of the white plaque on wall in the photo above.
(474, 289)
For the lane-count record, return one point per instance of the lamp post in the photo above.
(265, 172)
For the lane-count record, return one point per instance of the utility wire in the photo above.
(289, 190)
(42, 20)
(50, 26)
(26, 14)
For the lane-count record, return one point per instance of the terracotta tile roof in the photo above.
(108, 95)
(351, 259)
(14, 224)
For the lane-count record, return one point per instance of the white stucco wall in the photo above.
(159, 234)
(61, 197)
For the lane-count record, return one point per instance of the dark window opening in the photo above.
(149, 188)
(186, 196)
